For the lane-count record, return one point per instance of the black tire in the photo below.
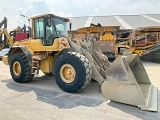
(25, 74)
(49, 74)
(82, 68)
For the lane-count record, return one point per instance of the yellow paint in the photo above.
(36, 45)
(107, 36)
(16, 68)
(5, 60)
(67, 73)
(47, 64)
(144, 47)
(55, 46)
(10, 40)
(138, 52)
(97, 29)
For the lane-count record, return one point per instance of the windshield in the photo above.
(58, 27)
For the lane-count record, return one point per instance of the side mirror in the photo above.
(47, 21)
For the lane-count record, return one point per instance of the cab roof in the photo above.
(49, 15)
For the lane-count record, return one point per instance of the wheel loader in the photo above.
(73, 66)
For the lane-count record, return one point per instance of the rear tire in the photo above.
(72, 72)
(20, 69)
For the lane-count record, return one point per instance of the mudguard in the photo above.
(15, 49)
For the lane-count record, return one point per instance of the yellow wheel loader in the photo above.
(73, 66)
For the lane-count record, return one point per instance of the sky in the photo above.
(73, 8)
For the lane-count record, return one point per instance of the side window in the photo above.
(39, 28)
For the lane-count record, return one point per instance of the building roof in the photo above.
(125, 21)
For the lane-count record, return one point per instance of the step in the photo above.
(34, 61)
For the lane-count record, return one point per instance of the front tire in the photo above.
(72, 72)
(20, 69)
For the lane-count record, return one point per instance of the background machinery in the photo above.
(105, 37)
(73, 66)
(115, 42)
(5, 39)
(146, 40)
(8, 38)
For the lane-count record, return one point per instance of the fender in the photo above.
(62, 51)
(16, 49)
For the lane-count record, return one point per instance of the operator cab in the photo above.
(47, 27)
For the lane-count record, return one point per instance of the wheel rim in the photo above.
(16, 68)
(67, 73)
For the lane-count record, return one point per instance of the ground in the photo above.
(41, 99)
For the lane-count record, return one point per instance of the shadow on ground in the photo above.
(47, 91)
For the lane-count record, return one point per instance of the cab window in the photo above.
(39, 28)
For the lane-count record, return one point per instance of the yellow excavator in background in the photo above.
(73, 66)
(5, 39)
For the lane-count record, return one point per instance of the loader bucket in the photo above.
(127, 82)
